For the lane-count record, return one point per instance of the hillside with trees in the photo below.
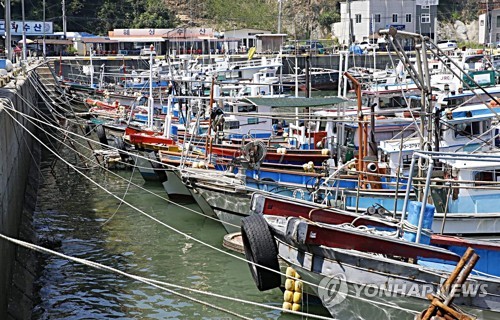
(300, 18)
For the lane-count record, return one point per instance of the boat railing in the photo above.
(432, 157)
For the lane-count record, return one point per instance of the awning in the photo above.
(294, 102)
(55, 41)
(138, 39)
(98, 40)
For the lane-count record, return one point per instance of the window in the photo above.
(425, 18)
(498, 21)
(455, 102)
(253, 120)
(247, 108)
(231, 125)
(377, 18)
(350, 133)
(408, 17)
(425, 7)
(486, 176)
(358, 18)
(467, 129)
(395, 17)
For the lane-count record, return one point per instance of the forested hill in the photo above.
(300, 18)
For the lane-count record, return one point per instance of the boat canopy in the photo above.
(295, 102)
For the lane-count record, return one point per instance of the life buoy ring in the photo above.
(260, 248)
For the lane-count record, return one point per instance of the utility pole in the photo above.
(43, 40)
(488, 19)
(23, 31)
(8, 42)
(351, 31)
(279, 16)
(64, 18)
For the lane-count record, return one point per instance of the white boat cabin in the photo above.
(463, 129)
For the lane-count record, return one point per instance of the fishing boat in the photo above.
(319, 78)
(365, 254)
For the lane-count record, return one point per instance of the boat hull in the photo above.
(403, 285)
(175, 188)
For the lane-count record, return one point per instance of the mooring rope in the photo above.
(120, 177)
(202, 242)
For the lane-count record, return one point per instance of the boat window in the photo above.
(406, 160)
(349, 136)
(253, 120)
(322, 126)
(453, 102)
(405, 133)
(467, 129)
(414, 103)
(486, 176)
(394, 102)
(383, 135)
(228, 107)
(388, 135)
(247, 108)
(234, 124)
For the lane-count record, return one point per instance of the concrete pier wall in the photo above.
(16, 157)
(72, 65)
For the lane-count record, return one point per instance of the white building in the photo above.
(489, 27)
(369, 16)
(240, 40)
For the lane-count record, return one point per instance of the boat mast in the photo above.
(150, 98)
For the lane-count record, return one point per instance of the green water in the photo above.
(71, 213)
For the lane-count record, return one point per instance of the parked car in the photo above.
(368, 46)
(312, 45)
(447, 44)
(288, 49)
(147, 52)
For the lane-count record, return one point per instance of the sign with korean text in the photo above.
(396, 26)
(32, 28)
(165, 33)
(427, 2)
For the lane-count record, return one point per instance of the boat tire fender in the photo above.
(120, 145)
(260, 248)
(101, 134)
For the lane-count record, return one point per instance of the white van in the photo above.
(447, 44)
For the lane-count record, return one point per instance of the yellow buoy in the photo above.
(290, 272)
(251, 52)
(287, 306)
(288, 296)
(296, 307)
(298, 286)
(297, 297)
(289, 284)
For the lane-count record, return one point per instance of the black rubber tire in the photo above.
(260, 248)
(87, 129)
(101, 134)
(120, 145)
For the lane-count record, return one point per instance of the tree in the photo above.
(154, 15)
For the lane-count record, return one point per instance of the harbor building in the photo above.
(361, 20)
(489, 26)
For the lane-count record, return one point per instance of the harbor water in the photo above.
(77, 218)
